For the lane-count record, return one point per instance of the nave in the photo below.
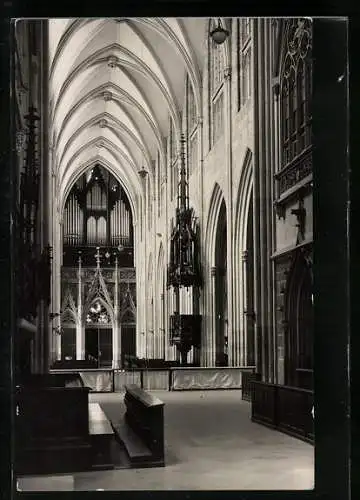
(163, 241)
(210, 444)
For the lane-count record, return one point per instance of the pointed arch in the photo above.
(216, 200)
(103, 302)
(98, 291)
(68, 308)
(299, 322)
(160, 263)
(127, 304)
(243, 263)
(68, 316)
(243, 200)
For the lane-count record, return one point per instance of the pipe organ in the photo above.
(97, 213)
(120, 224)
(73, 222)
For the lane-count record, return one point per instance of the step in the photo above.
(135, 447)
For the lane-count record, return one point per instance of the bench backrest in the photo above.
(145, 415)
(54, 380)
(52, 413)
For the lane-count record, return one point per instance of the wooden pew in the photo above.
(142, 429)
(101, 436)
(54, 380)
(52, 430)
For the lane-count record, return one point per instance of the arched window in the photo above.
(98, 314)
(296, 90)
(216, 80)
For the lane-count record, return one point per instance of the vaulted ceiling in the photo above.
(113, 85)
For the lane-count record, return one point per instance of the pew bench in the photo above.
(52, 430)
(141, 431)
(101, 438)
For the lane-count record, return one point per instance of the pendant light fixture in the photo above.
(219, 34)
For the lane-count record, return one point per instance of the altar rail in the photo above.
(166, 379)
(287, 409)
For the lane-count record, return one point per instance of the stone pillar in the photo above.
(231, 273)
(116, 339)
(259, 355)
(202, 299)
(244, 309)
(80, 330)
(263, 211)
(80, 339)
(211, 345)
(268, 201)
(162, 338)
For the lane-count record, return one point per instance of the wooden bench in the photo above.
(142, 429)
(101, 437)
(52, 430)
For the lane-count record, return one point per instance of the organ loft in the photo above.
(98, 274)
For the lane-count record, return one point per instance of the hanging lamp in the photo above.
(219, 34)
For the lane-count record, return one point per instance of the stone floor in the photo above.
(211, 444)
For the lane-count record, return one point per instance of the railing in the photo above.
(166, 379)
(287, 409)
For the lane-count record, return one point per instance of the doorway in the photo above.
(98, 346)
(300, 335)
(128, 343)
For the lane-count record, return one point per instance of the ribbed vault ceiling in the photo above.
(113, 85)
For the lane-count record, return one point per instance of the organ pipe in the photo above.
(96, 222)
(119, 227)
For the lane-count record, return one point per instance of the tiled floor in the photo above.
(211, 444)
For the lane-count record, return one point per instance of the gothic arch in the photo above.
(299, 322)
(243, 263)
(68, 316)
(108, 166)
(103, 302)
(216, 200)
(160, 264)
(243, 200)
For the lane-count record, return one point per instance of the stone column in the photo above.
(116, 340)
(278, 346)
(259, 355)
(244, 309)
(263, 207)
(211, 345)
(80, 330)
(268, 201)
(231, 274)
(202, 300)
(162, 338)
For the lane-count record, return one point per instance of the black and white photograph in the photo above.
(164, 253)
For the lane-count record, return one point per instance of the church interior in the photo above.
(164, 253)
